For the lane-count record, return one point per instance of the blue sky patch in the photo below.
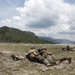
(70, 1)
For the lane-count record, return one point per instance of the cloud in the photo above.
(6, 22)
(68, 32)
(46, 13)
(46, 18)
(16, 18)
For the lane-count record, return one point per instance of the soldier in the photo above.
(32, 53)
(45, 57)
(35, 56)
(17, 57)
(51, 58)
(43, 52)
(42, 60)
(48, 57)
(67, 48)
(64, 49)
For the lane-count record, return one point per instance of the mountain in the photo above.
(58, 41)
(14, 35)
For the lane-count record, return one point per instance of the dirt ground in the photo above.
(25, 67)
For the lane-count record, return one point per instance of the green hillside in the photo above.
(12, 35)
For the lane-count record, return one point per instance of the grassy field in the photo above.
(25, 67)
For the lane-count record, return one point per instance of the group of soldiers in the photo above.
(67, 48)
(45, 57)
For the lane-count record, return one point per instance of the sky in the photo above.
(50, 18)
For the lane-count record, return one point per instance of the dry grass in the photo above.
(31, 68)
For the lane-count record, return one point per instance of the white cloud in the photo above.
(6, 22)
(16, 18)
(46, 17)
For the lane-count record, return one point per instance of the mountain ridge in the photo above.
(14, 35)
(58, 41)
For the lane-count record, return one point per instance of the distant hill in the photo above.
(14, 35)
(58, 41)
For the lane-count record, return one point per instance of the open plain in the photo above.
(25, 67)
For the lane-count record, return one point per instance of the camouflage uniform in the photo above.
(41, 59)
(32, 54)
(67, 48)
(17, 57)
(45, 57)
(49, 59)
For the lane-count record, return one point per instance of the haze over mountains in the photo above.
(58, 41)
